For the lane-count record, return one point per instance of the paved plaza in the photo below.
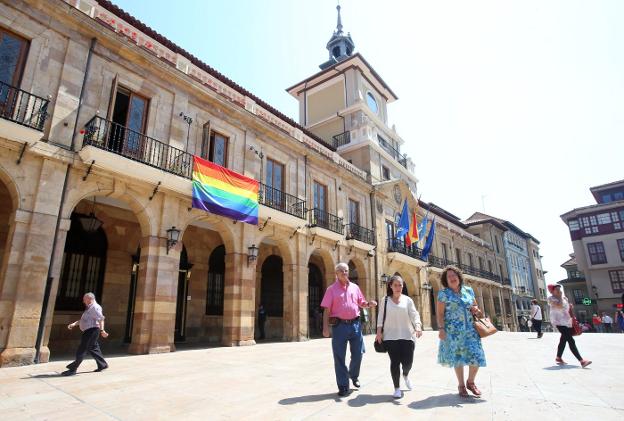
(278, 381)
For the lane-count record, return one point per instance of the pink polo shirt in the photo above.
(343, 302)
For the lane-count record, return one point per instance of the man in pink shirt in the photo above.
(342, 302)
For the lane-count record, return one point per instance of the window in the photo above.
(497, 246)
(83, 266)
(275, 184)
(578, 296)
(320, 197)
(620, 244)
(618, 196)
(470, 262)
(604, 218)
(372, 102)
(129, 115)
(617, 280)
(13, 51)
(480, 262)
(444, 251)
(214, 146)
(458, 254)
(573, 224)
(596, 253)
(354, 212)
(490, 266)
(500, 269)
(390, 231)
(385, 173)
(216, 275)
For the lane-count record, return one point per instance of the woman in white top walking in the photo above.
(561, 317)
(402, 323)
(536, 318)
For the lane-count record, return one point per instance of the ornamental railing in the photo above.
(22, 107)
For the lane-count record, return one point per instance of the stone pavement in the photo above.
(278, 381)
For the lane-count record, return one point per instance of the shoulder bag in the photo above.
(380, 347)
(576, 326)
(483, 325)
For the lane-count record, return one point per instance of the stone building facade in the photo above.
(100, 118)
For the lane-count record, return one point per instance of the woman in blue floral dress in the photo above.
(460, 343)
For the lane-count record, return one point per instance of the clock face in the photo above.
(372, 102)
(397, 194)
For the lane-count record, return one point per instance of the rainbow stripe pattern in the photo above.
(224, 192)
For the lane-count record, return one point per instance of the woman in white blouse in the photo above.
(402, 323)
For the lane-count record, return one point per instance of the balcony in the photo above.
(398, 250)
(331, 225)
(280, 207)
(394, 153)
(22, 114)
(360, 237)
(468, 270)
(341, 139)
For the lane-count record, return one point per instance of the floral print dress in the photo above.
(462, 345)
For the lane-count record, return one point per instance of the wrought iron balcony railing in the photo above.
(398, 246)
(356, 232)
(470, 270)
(277, 199)
(320, 218)
(22, 107)
(342, 139)
(397, 155)
(121, 140)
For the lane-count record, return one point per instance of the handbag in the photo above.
(380, 347)
(483, 326)
(576, 326)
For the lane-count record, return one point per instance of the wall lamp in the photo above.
(427, 286)
(384, 280)
(173, 235)
(252, 254)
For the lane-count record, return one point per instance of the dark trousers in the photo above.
(607, 327)
(401, 353)
(537, 326)
(89, 344)
(261, 326)
(343, 334)
(566, 336)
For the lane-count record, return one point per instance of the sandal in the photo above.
(462, 392)
(473, 388)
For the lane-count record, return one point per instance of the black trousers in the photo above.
(537, 325)
(566, 336)
(89, 344)
(401, 353)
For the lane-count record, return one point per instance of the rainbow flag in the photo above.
(224, 192)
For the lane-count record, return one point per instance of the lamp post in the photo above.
(189, 121)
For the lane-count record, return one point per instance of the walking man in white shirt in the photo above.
(536, 318)
(91, 324)
(607, 322)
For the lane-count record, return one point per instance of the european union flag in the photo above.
(403, 227)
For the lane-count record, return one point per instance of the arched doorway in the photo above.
(184, 274)
(353, 273)
(6, 213)
(315, 295)
(272, 295)
(216, 276)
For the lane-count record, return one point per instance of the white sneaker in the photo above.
(397, 394)
(408, 383)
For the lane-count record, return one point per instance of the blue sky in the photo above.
(515, 106)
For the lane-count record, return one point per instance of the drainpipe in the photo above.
(49, 278)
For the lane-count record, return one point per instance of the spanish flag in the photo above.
(224, 192)
(412, 235)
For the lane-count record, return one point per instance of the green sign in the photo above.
(587, 301)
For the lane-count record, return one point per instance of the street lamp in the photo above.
(173, 235)
(252, 254)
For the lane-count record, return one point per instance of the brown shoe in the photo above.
(462, 392)
(473, 388)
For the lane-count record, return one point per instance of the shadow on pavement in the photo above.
(561, 367)
(362, 400)
(310, 398)
(41, 376)
(448, 400)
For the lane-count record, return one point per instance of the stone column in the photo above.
(23, 280)
(239, 300)
(425, 301)
(155, 306)
(295, 303)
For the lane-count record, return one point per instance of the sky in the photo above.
(509, 107)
